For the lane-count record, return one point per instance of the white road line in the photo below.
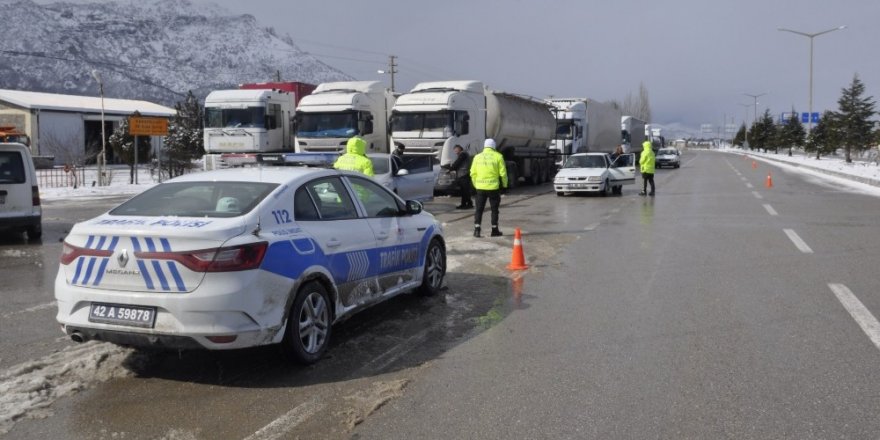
(749, 185)
(36, 308)
(798, 242)
(859, 312)
(770, 210)
(743, 179)
(592, 226)
(757, 195)
(280, 427)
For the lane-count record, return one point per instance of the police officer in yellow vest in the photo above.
(646, 166)
(355, 158)
(489, 176)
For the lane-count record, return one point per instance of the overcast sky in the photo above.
(696, 57)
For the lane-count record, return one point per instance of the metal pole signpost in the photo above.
(811, 37)
(756, 105)
(146, 126)
(102, 161)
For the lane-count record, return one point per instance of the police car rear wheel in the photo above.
(309, 325)
(435, 269)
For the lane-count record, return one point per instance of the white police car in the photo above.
(243, 257)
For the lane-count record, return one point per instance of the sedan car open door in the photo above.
(623, 169)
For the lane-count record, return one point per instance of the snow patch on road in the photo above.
(28, 390)
(13, 253)
(366, 402)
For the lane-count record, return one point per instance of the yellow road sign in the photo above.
(138, 126)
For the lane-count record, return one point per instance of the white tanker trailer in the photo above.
(434, 117)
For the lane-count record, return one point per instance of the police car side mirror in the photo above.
(414, 207)
(402, 172)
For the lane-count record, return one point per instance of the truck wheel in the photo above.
(435, 269)
(307, 334)
(512, 177)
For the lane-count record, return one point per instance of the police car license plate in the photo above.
(135, 316)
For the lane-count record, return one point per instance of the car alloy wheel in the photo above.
(435, 269)
(309, 324)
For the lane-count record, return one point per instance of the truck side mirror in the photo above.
(465, 124)
(368, 127)
(269, 122)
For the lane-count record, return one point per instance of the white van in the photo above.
(20, 208)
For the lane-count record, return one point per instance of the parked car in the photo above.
(668, 157)
(20, 208)
(410, 177)
(596, 173)
(243, 257)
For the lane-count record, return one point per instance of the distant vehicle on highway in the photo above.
(668, 157)
(243, 257)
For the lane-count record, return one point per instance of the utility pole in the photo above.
(391, 70)
(756, 105)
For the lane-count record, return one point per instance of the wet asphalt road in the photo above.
(690, 315)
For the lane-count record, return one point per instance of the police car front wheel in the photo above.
(308, 325)
(435, 269)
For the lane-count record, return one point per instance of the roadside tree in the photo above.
(761, 133)
(185, 140)
(740, 138)
(855, 113)
(825, 138)
(792, 133)
(122, 144)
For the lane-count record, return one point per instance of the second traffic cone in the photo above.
(769, 183)
(518, 259)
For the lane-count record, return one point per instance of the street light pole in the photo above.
(756, 105)
(811, 37)
(102, 162)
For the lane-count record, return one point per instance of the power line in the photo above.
(350, 49)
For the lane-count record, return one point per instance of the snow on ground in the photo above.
(861, 175)
(28, 390)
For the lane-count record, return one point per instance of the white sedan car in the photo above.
(244, 257)
(596, 173)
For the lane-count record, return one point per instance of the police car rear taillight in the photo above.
(225, 259)
(69, 253)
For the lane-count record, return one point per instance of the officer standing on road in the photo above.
(489, 177)
(355, 158)
(462, 167)
(646, 166)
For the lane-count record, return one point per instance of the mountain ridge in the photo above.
(155, 52)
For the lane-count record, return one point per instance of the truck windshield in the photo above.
(327, 125)
(436, 122)
(564, 129)
(250, 117)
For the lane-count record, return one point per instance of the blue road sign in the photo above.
(805, 117)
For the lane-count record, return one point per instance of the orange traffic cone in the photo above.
(754, 164)
(769, 183)
(518, 260)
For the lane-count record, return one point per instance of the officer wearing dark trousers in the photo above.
(646, 166)
(489, 176)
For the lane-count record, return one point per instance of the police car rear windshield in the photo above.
(197, 199)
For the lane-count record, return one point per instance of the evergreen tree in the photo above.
(740, 139)
(122, 144)
(185, 140)
(855, 113)
(825, 138)
(761, 133)
(792, 134)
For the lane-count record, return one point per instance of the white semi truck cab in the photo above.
(336, 111)
(571, 123)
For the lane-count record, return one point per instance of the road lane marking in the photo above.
(798, 241)
(280, 427)
(743, 179)
(592, 226)
(36, 308)
(749, 185)
(858, 311)
(770, 210)
(757, 195)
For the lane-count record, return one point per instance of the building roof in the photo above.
(84, 104)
